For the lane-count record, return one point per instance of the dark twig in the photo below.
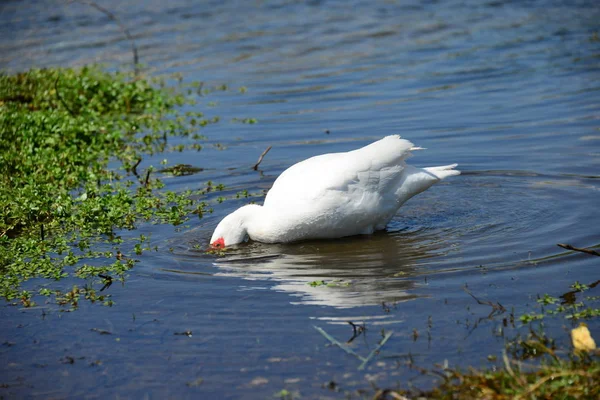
(60, 97)
(497, 308)
(101, 331)
(147, 178)
(108, 280)
(120, 24)
(357, 331)
(134, 167)
(587, 251)
(571, 297)
(261, 158)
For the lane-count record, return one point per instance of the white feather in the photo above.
(334, 195)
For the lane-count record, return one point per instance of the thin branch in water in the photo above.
(147, 178)
(571, 297)
(134, 167)
(121, 26)
(337, 343)
(583, 250)
(348, 350)
(108, 280)
(375, 350)
(261, 158)
(496, 307)
(357, 331)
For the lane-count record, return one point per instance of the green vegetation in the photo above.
(570, 307)
(576, 378)
(71, 142)
(535, 366)
(334, 283)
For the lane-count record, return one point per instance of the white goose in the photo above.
(333, 195)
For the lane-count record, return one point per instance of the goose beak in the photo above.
(218, 244)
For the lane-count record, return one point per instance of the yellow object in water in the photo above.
(582, 339)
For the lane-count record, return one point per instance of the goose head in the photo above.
(233, 229)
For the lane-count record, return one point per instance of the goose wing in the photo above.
(371, 171)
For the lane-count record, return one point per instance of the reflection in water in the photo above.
(344, 273)
(437, 233)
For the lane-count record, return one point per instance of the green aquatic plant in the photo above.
(71, 145)
(181, 170)
(566, 306)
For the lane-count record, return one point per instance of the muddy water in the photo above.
(510, 91)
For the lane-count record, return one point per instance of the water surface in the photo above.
(509, 90)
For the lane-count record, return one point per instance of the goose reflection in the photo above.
(343, 273)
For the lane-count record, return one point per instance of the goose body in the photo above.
(333, 195)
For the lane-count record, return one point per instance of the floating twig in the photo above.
(357, 331)
(101, 331)
(121, 26)
(134, 167)
(583, 250)
(67, 360)
(261, 158)
(365, 360)
(337, 343)
(571, 297)
(398, 355)
(497, 308)
(108, 280)
(375, 350)
(147, 178)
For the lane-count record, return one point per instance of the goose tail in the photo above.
(444, 171)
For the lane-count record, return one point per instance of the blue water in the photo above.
(509, 90)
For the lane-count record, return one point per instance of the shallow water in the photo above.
(509, 90)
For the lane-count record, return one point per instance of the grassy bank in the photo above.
(61, 206)
(568, 376)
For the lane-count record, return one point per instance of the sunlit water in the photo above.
(508, 91)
